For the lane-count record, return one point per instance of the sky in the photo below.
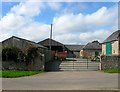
(73, 22)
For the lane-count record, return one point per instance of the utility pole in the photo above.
(119, 26)
(119, 49)
(50, 41)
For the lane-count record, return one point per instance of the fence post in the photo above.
(87, 63)
(73, 63)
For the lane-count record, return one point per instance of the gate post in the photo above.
(87, 63)
(100, 65)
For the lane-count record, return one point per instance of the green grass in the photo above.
(117, 91)
(17, 73)
(112, 70)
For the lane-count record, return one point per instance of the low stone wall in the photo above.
(37, 64)
(12, 65)
(110, 61)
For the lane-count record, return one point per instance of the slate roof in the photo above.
(46, 42)
(75, 47)
(113, 37)
(95, 45)
(31, 42)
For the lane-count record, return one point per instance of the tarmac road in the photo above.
(67, 80)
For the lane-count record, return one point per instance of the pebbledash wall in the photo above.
(110, 61)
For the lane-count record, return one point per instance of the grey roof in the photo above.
(113, 37)
(31, 42)
(46, 42)
(95, 45)
(75, 47)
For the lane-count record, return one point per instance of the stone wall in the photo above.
(110, 61)
(37, 64)
(12, 65)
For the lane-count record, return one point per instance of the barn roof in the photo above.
(113, 37)
(46, 42)
(31, 42)
(95, 45)
(75, 47)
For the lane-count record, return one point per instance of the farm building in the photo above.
(55, 45)
(19, 43)
(57, 49)
(111, 45)
(74, 50)
(111, 51)
(24, 45)
(91, 50)
(71, 50)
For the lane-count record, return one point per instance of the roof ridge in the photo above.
(114, 36)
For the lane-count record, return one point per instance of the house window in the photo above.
(108, 48)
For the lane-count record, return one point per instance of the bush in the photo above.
(31, 53)
(10, 54)
(15, 54)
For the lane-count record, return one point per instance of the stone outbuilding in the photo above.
(111, 45)
(111, 51)
(91, 50)
(23, 45)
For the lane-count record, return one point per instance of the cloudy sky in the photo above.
(73, 22)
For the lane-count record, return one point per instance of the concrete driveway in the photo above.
(68, 80)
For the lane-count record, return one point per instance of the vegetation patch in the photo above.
(17, 73)
(112, 70)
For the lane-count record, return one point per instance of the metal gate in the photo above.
(80, 65)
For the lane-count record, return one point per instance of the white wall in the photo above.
(115, 48)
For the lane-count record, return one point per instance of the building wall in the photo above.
(7, 43)
(115, 48)
(103, 49)
(81, 53)
(15, 42)
(90, 53)
(38, 63)
(77, 54)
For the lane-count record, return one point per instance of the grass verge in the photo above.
(112, 70)
(17, 73)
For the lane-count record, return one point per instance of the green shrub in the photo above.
(10, 54)
(15, 54)
(32, 53)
